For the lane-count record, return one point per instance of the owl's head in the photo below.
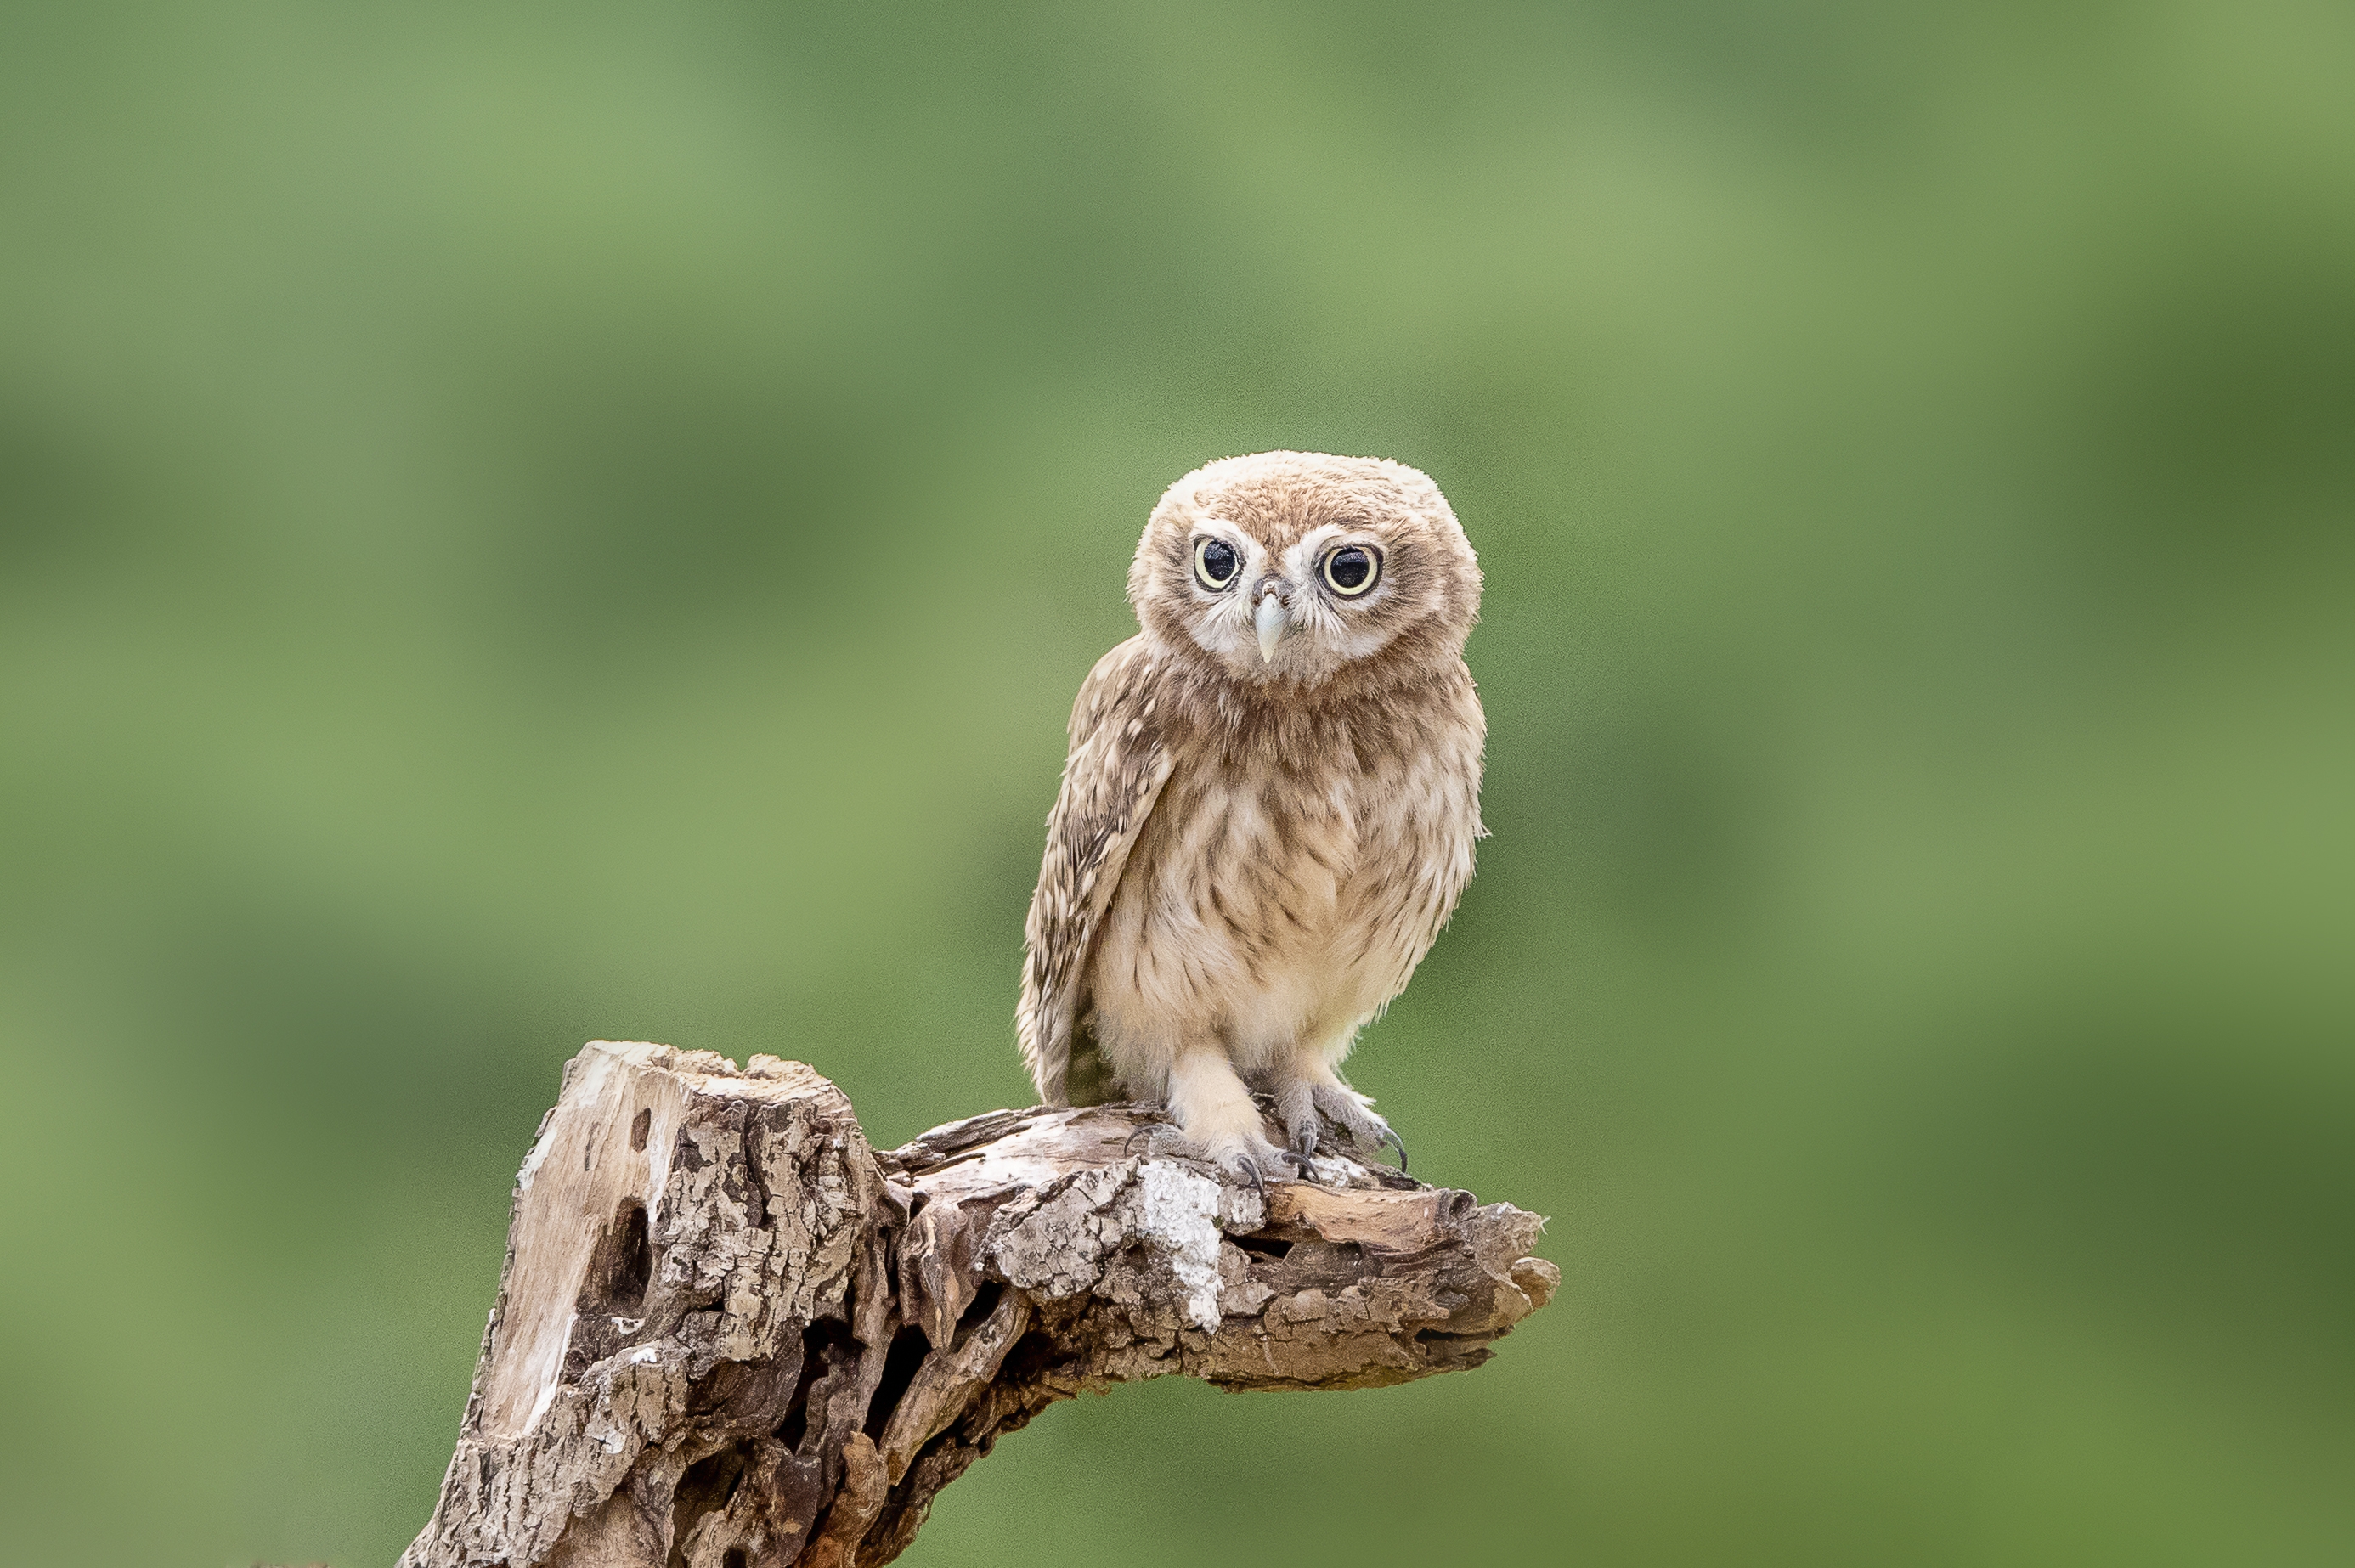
(1299, 567)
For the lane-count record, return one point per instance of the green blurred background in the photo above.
(521, 523)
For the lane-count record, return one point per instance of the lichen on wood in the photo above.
(728, 1334)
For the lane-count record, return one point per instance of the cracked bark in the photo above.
(730, 1334)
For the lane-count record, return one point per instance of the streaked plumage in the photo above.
(1269, 804)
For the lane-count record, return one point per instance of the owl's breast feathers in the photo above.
(1270, 871)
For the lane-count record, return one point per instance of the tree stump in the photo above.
(730, 1334)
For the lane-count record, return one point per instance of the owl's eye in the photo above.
(1351, 570)
(1214, 563)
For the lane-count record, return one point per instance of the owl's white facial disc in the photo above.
(1290, 616)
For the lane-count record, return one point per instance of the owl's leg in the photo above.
(1217, 1115)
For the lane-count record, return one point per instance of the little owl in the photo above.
(1269, 806)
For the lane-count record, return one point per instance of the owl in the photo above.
(1268, 809)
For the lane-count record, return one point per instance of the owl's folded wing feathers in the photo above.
(1113, 775)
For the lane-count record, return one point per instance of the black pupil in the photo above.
(1349, 568)
(1218, 561)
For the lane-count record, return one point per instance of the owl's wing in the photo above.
(1112, 776)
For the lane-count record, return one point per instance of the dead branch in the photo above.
(730, 1334)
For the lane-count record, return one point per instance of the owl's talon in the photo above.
(1162, 1141)
(1307, 1170)
(1392, 1137)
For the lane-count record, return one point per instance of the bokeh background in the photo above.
(528, 523)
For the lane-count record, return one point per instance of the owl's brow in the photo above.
(1339, 529)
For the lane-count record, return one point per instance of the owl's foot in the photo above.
(1351, 1111)
(1252, 1159)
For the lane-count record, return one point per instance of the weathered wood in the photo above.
(728, 1334)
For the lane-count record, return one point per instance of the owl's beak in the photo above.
(1273, 621)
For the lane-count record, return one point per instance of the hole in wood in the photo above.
(734, 1558)
(909, 1347)
(795, 1425)
(1031, 1356)
(817, 1341)
(622, 1264)
(1269, 1247)
(640, 1125)
(984, 1302)
(709, 1486)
